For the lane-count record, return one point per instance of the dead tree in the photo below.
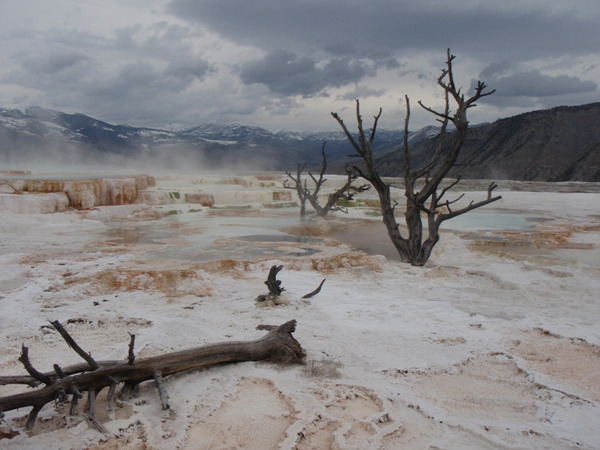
(414, 249)
(346, 192)
(299, 187)
(93, 376)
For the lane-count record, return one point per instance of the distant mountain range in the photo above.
(558, 144)
(55, 138)
(552, 145)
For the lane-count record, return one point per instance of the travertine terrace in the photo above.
(493, 344)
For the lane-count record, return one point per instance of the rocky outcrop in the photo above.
(251, 196)
(34, 203)
(201, 199)
(80, 194)
(154, 198)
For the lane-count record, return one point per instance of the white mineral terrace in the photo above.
(493, 344)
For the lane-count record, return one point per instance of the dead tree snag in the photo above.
(429, 200)
(274, 286)
(346, 192)
(298, 186)
(278, 345)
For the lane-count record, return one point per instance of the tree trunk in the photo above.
(277, 345)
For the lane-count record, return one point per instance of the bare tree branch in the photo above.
(375, 126)
(24, 359)
(406, 152)
(71, 342)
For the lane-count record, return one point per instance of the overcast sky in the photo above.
(286, 64)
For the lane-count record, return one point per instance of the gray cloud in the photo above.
(188, 70)
(361, 92)
(53, 63)
(287, 64)
(349, 27)
(289, 74)
(510, 81)
(535, 84)
(160, 40)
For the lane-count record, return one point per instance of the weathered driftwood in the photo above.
(273, 284)
(316, 291)
(93, 376)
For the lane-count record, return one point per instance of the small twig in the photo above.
(491, 188)
(24, 358)
(95, 424)
(131, 357)
(267, 327)
(111, 395)
(162, 391)
(71, 342)
(59, 371)
(316, 291)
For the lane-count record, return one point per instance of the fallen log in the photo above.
(278, 345)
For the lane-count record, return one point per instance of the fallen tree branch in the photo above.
(316, 291)
(162, 391)
(67, 337)
(278, 345)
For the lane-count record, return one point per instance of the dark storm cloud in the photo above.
(509, 81)
(259, 61)
(535, 84)
(378, 28)
(188, 70)
(289, 74)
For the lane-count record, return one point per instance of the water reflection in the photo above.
(371, 236)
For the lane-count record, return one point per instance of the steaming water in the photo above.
(494, 221)
(213, 237)
(65, 176)
(243, 235)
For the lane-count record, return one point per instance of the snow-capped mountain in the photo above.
(32, 129)
(55, 125)
(557, 144)
(426, 132)
(230, 133)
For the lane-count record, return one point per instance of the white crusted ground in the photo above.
(494, 343)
